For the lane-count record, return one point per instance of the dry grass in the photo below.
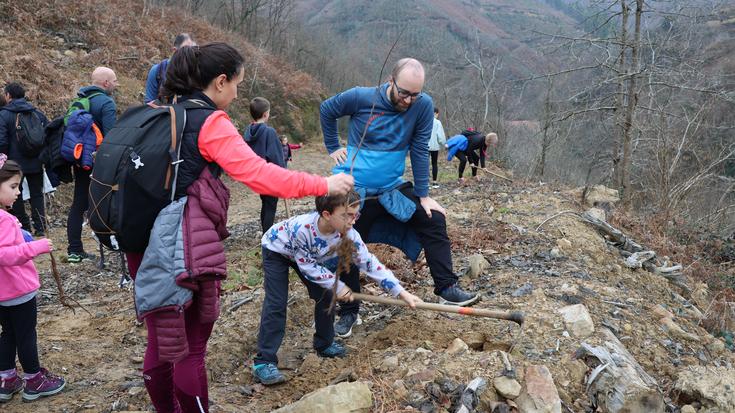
(53, 46)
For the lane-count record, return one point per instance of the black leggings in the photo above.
(434, 164)
(35, 187)
(19, 335)
(79, 206)
(463, 157)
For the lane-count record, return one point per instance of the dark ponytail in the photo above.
(9, 170)
(192, 68)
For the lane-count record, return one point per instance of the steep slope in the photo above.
(52, 49)
(405, 354)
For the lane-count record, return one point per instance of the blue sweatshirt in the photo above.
(152, 83)
(264, 141)
(381, 161)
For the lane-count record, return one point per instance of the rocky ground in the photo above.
(572, 286)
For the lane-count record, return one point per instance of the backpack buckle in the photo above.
(135, 158)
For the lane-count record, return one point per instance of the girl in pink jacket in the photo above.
(18, 287)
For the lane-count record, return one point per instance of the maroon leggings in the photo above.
(176, 387)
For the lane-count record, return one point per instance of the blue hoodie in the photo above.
(391, 134)
(264, 141)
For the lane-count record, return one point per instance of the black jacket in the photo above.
(8, 140)
(264, 141)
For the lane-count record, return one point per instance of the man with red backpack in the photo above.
(95, 99)
(21, 138)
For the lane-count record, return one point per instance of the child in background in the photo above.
(307, 243)
(437, 140)
(18, 288)
(263, 140)
(287, 148)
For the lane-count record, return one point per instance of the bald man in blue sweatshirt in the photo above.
(399, 119)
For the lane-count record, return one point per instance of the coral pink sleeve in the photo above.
(220, 142)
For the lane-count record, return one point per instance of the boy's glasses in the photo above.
(350, 217)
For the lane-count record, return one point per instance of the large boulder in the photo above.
(539, 394)
(710, 386)
(344, 397)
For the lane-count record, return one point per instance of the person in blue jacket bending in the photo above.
(395, 118)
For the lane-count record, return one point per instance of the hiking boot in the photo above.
(10, 386)
(42, 385)
(435, 186)
(343, 327)
(268, 374)
(455, 295)
(77, 257)
(334, 350)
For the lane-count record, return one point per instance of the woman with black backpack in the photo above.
(174, 366)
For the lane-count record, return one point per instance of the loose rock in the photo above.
(577, 320)
(564, 244)
(457, 346)
(507, 387)
(675, 331)
(477, 265)
(474, 339)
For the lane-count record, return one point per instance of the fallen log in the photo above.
(636, 256)
(617, 382)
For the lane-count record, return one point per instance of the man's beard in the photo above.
(398, 104)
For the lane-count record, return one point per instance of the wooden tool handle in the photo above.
(515, 316)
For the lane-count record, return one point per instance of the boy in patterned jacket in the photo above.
(308, 244)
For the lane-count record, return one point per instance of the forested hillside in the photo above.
(52, 48)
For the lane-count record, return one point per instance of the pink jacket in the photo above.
(18, 275)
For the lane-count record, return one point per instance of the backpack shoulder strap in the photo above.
(178, 123)
(161, 71)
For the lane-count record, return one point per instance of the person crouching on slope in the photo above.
(309, 243)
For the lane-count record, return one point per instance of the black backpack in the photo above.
(134, 174)
(51, 154)
(30, 132)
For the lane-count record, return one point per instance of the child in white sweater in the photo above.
(308, 244)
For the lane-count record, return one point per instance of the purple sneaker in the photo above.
(8, 387)
(44, 384)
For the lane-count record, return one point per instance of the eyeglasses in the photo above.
(403, 93)
(350, 217)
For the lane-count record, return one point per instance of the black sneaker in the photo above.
(343, 327)
(77, 257)
(455, 295)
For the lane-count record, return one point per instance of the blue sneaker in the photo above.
(267, 374)
(334, 350)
